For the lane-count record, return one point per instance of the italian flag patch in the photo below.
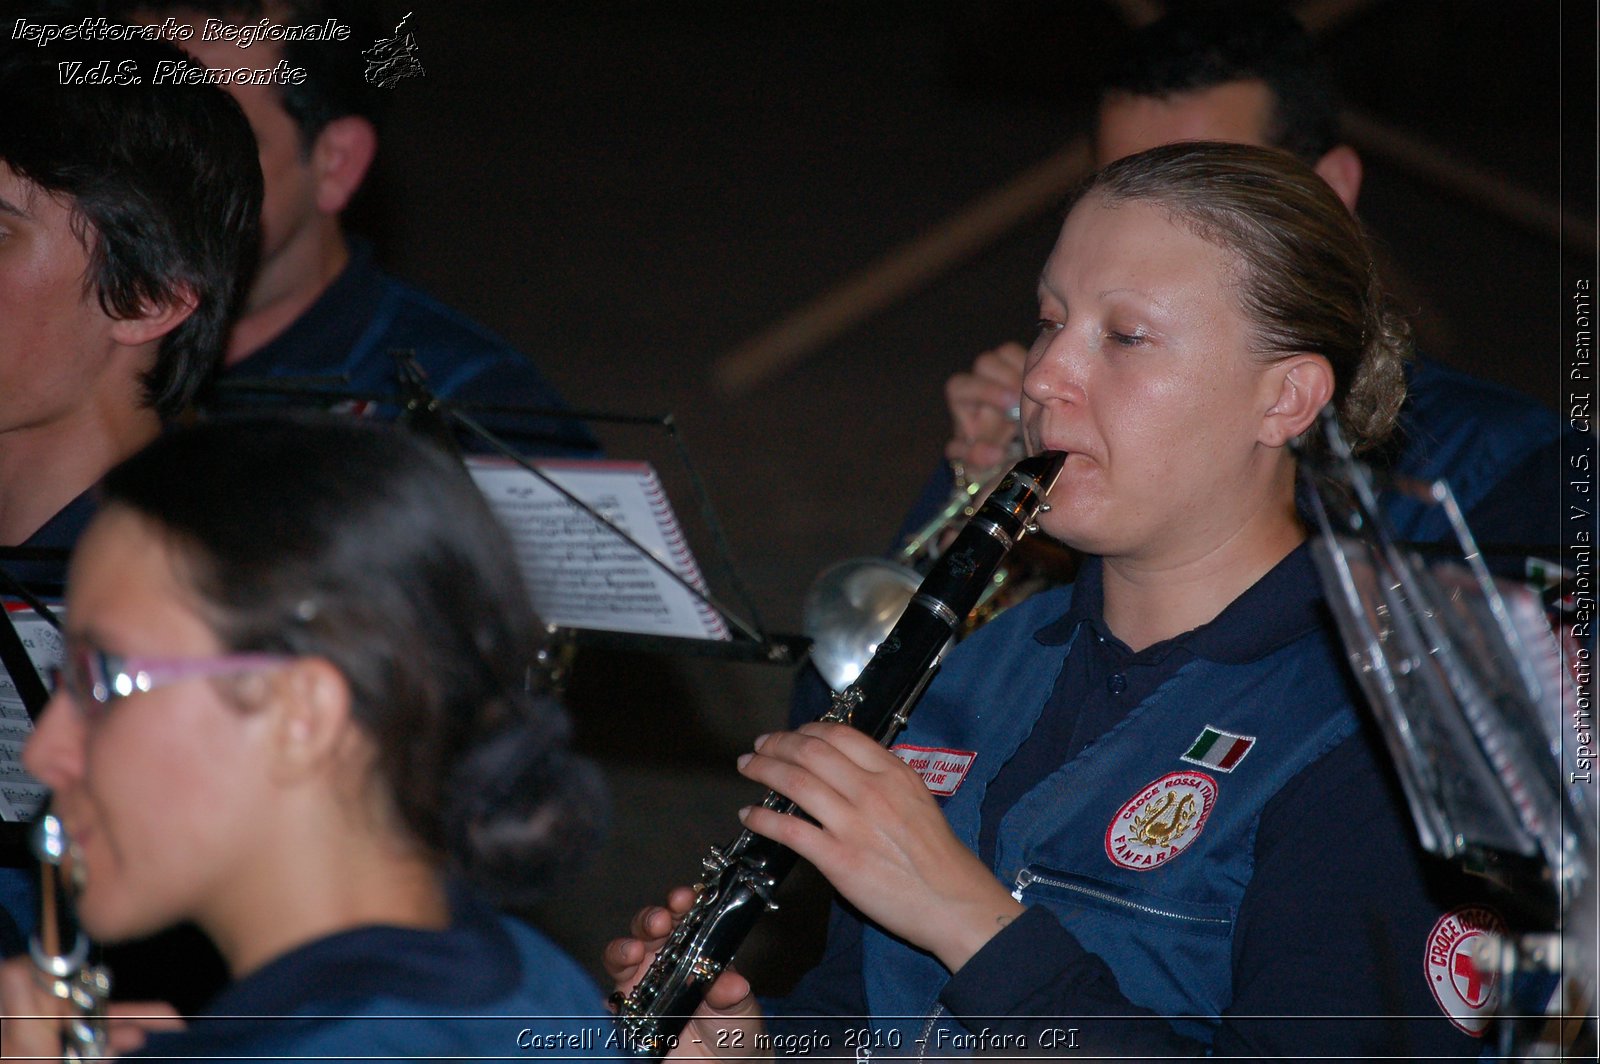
(1219, 749)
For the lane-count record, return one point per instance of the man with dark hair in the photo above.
(128, 226)
(128, 222)
(1249, 73)
(319, 306)
(1248, 48)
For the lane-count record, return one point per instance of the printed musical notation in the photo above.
(580, 573)
(22, 796)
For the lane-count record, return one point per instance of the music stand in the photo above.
(437, 419)
(19, 666)
(1472, 696)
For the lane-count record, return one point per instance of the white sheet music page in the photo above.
(581, 574)
(21, 796)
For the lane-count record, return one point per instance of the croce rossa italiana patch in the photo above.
(1161, 821)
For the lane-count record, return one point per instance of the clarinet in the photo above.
(60, 949)
(741, 878)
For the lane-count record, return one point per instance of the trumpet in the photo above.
(59, 948)
(851, 605)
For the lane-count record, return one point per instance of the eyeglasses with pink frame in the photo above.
(96, 677)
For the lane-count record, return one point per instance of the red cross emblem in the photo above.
(1472, 984)
(1466, 993)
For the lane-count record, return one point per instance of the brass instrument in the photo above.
(60, 949)
(851, 605)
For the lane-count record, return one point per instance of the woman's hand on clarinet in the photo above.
(985, 404)
(132, 1021)
(728, 1020)
(879, 838)
(31, 1017)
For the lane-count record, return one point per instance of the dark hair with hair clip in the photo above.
(164, 187)
(335, 84)
(1201, 46)
(1308, 281)
(363, 545)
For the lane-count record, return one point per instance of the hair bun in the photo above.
(521, 808)
(1372, 405)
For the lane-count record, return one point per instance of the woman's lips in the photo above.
(1070, 450)
(77, 833)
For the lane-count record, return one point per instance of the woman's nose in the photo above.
(1055, 367)
(54, 753)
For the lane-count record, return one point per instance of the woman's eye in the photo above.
(1047, 326)
(1122, 339)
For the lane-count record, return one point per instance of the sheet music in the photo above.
(21, 796)
(579, 573)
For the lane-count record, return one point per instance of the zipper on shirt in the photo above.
(928, 1024)
(1028, 876)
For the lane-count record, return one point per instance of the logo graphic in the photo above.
(391, 60)
(941, 770)
(1464, 989)
(964, 563)
(1219, 749)
(1161, 821)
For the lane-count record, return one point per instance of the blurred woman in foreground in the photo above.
(294, 711)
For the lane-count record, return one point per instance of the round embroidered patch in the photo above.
(1161, 821)
(1465, 991)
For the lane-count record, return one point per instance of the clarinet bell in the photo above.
(849, 609)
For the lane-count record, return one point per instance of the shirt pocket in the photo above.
(1062, 892)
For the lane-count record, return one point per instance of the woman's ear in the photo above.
(311, 706)
(1303, 385)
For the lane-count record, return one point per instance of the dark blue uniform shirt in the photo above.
(1309, 952)
(487, 987)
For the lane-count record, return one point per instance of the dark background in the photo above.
(630, 190)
